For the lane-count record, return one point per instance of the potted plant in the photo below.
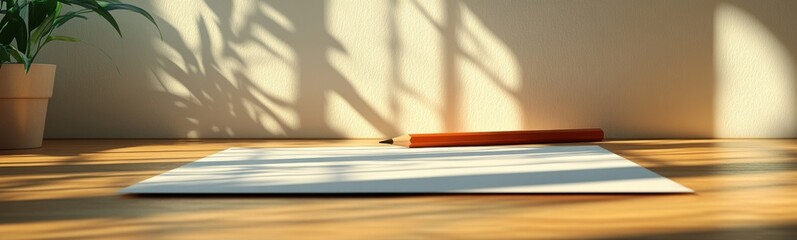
(26, 27)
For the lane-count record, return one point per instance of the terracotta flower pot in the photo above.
(23, 104)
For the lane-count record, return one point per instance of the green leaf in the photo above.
(89, 4)
(116, 5)
(61, 20)
(4, 56)
(19, 56)
(61, 38)
(39, 11)
(21, 36)
(9, 28)
(53, 38)
(95, 6)
(45, 29)
(27, 25)
(14, 27)
(109, 18)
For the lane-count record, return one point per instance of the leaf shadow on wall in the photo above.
(227, 102)
(638, 69)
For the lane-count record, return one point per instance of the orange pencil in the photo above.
(496, 138)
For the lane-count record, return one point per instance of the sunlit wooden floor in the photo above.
(746, 189)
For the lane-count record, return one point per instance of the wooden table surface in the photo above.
(745, 189)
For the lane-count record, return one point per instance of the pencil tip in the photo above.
(387, 141)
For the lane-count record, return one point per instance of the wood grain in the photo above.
(67, 189)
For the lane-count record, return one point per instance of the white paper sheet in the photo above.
(494, 169)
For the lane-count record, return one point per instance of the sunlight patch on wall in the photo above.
(363, 61)
(276, 117)
(172, 56)
(488, 75)
(199, 27)
(257, 51)
(755, 78)
(490, 78)
(407, 72)
(240, 68)
(419, 88)
(278, 17)
(343, 117)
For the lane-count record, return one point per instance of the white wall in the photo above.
(368, 68)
